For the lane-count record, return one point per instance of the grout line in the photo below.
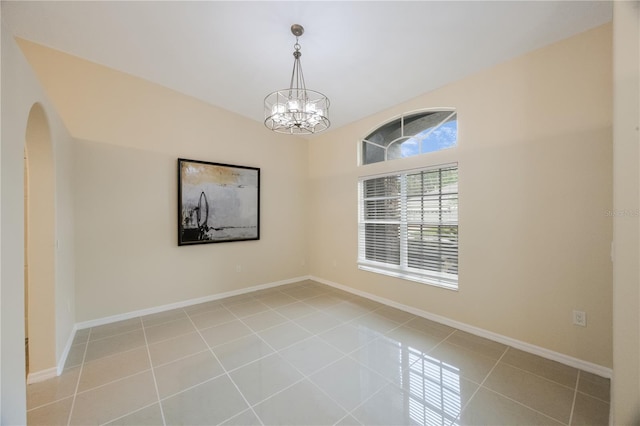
(251, 406)
(508, 364)
(238, 415)
(75, 392)
(88, 340)
(442, 341)
(524, 405)
(114, 380)
(291, 320)
(70, 395)
(119, 379)
(462, 408)
(389, 381)
(331, 398)
(210, 379)
(253, 332)
(575, 394)
(226, 372)
(594, 397)
(342, 418)
(209, 326)
(172, 338)
(89, 362)
(364, 401)
(539, 376)
(50, 403)
(347, 355)
(313, 309)
(181, 358)
(304, 376)
(153, 373)
(506, 396)
(492, 368)
(168, 321)
(350, 412)
(117, 334)
(129, 413)
(342, 351)
(466, 348)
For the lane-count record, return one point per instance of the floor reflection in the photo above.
(434, 391)
(432, 394)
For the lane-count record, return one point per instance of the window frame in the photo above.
(403, 137)
(403, 270)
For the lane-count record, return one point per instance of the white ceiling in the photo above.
(364, 55)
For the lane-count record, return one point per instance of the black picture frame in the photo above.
(217, 203)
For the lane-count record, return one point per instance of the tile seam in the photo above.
(153, 374)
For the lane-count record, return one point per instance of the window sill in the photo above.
(435, 282)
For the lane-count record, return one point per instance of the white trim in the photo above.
(65, 353)
(401, 118)
(527, 347)
(52, 372)
(42, 375)
(403, 115)
(402, 269)
(369, 266)
(398, 172)
(184, 303)
(587, 366)
(56, 371)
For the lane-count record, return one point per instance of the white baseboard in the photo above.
(42, 375)
(518, 344)
(52, 372)
(184, 303)
(56, 371)
(65, 353)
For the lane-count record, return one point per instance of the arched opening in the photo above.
(39, 244)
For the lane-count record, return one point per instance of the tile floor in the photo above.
(306, 354)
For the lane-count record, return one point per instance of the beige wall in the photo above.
(626, 201)
(535, 155)
(20, 91)
(130, 133)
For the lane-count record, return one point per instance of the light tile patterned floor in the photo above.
(307, 354)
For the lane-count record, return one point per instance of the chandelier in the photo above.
(296, 110)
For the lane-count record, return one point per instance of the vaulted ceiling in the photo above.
(364, 55)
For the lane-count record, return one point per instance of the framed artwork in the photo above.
(217, 202)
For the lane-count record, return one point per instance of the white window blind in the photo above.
(408, 225)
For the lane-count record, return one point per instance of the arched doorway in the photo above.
(39, 243)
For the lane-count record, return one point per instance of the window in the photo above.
(411, 134)
(408, 225)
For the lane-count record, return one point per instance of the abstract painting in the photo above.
(217, 202)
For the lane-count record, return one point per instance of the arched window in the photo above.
(411, 134)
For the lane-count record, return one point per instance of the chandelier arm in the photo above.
(301, 83)
(293, 77)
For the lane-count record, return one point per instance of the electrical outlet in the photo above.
(580, 318)
(238, 268)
